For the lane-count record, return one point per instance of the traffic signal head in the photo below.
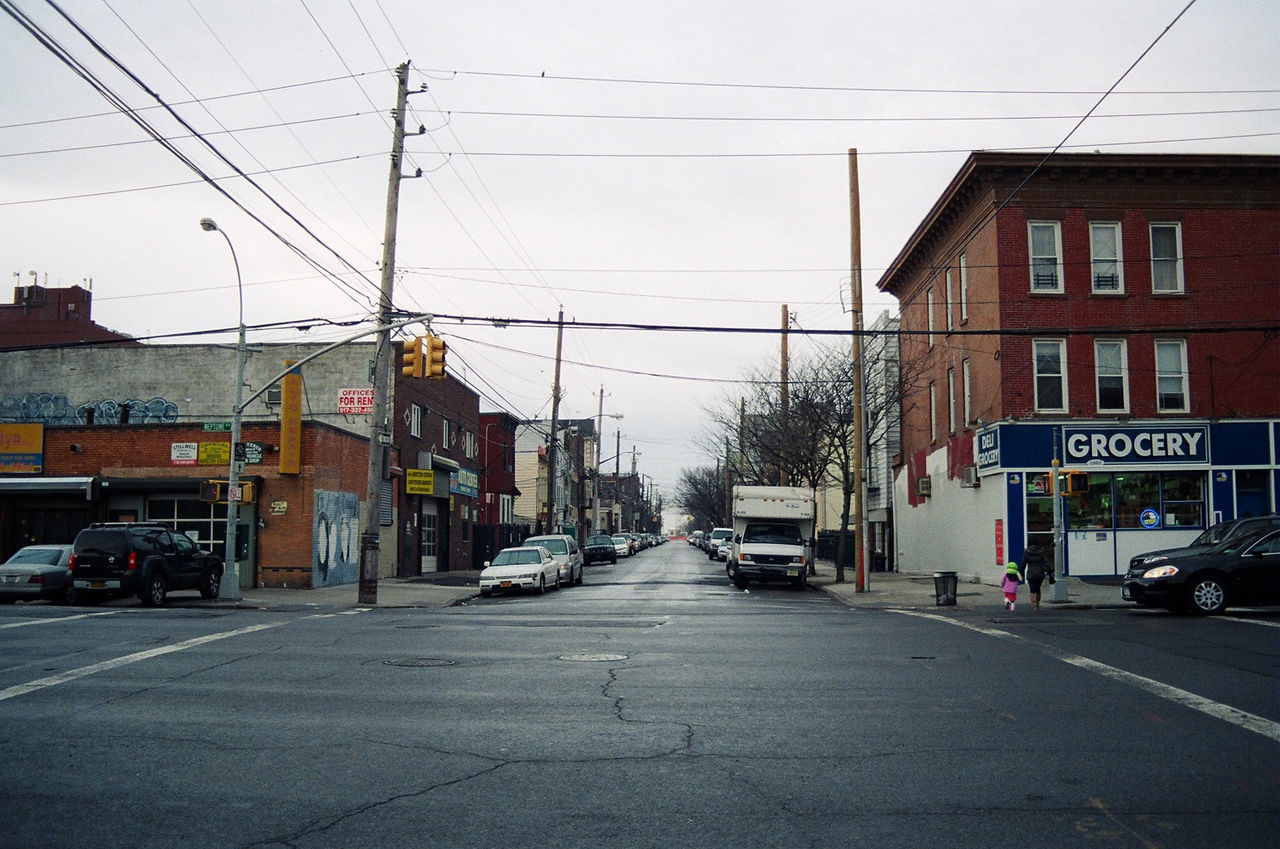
(412, 361)
(434, 356)
(1077, 483)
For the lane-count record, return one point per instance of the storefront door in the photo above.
(427, 538)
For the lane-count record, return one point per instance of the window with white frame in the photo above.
(1111, 371)
(933, 411)
(950, 317)
(964, 290)
(1105, 267)
(1171, 376)
(1166, 258)
(469, 444)
(444, 435)
(964, 391)
(928, 306)
(415, 420)
(1045, 241)
(951, 400)
(1050, 357)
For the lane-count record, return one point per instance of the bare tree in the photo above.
(700, 493)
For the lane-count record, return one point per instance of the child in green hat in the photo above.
(1009, 585)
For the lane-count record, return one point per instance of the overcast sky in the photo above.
(673, 163)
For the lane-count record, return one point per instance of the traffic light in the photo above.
(1077, 483)
(434, 355)
(413, 363)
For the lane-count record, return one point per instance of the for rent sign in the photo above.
(1137, 445)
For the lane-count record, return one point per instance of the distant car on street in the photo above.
(564, 549)
(599, 549)
(1241, 571)
(37, 572)
(622, 545)
(146, 559)
(717, 536)
(530, 568)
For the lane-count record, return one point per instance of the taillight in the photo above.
(36, 579)
(133, 561)
(71, 564)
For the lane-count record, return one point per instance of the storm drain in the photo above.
(418, 662)
(593, 658)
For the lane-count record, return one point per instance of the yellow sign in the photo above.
(214, 453)
(419, 482)
(22, 448)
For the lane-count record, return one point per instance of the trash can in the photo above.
(944, 588)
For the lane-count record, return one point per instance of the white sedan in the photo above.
(524, 568)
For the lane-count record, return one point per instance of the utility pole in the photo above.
(555, 423)
(863, 584)
(379, 433)
(784, 474)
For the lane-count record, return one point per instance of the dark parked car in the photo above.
(37, 572)
(1244, 570)
(1211, 536)
(599, 548)
(146, 559)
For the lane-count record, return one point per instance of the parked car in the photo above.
(598, 549)
(622, 545)
(37, 572)
(146, 559)
(568, 556)
(1243, 570)
(725, 550)
(1221, 532)
(528, 567)
(714, 539)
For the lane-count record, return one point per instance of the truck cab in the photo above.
(772, 535)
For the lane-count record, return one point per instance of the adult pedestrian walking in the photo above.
(1037, 567)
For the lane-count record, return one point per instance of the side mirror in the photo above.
(737, 539)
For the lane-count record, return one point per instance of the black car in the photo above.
(599, 549)
(146, 559)
(1243, 570)
(1211, 536)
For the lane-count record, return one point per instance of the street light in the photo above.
(230, 586)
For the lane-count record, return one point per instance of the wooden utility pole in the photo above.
(859, 436)
(555, 424)
(784, 474)
(379, 431)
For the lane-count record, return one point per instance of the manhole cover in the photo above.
(592, 658)
(418, 662)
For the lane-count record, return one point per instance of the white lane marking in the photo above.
(1235, 716)
(115, 663)
(55, 619)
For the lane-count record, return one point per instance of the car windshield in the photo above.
(45, 556)
(619, 539)
(776, 534)
(555, 546)
(1236, 543)
(516, 557)
(600, 541)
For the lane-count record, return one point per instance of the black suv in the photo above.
(147, 559)
(599, 549)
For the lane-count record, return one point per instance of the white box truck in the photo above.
(772, 534)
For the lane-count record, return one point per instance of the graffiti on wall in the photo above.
(54, 408)
(335, 548)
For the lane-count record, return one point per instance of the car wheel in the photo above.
(154, 590)
(740, 582)
(557, 584)
(542, 583)
(68, 595)
(581, 569)
(486, 593)
(211, 584)
(1207, 595)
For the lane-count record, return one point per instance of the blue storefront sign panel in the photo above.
(1135, 446)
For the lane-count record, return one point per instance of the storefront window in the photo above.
(1183, 499)
(1135, 492)
(1092, 509)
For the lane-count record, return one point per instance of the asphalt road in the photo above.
(654, 706)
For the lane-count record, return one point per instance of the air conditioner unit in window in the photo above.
(924, 486)
(970, 477)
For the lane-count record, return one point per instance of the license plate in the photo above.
(793, 573)
(505, 585)
(97, 585)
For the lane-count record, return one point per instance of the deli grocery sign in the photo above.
(1136, 445)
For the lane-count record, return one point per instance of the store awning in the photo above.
(42, 484)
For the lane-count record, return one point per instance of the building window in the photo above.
(964, 290)
(415, 420)
(928, 306)
(1171, 376)
(951, 400)
(1104, 258)
(933, 412)
(950, 318)
(444, 435)
(1166, 259)
(1050, 375)
(1045, 239)
(964, 389)
(1111, 368)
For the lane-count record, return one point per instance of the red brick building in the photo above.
(1117, 312)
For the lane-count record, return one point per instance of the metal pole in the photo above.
(229, 588)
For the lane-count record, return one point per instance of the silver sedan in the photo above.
(37, 572)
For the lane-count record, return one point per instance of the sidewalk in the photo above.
(887, 589)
